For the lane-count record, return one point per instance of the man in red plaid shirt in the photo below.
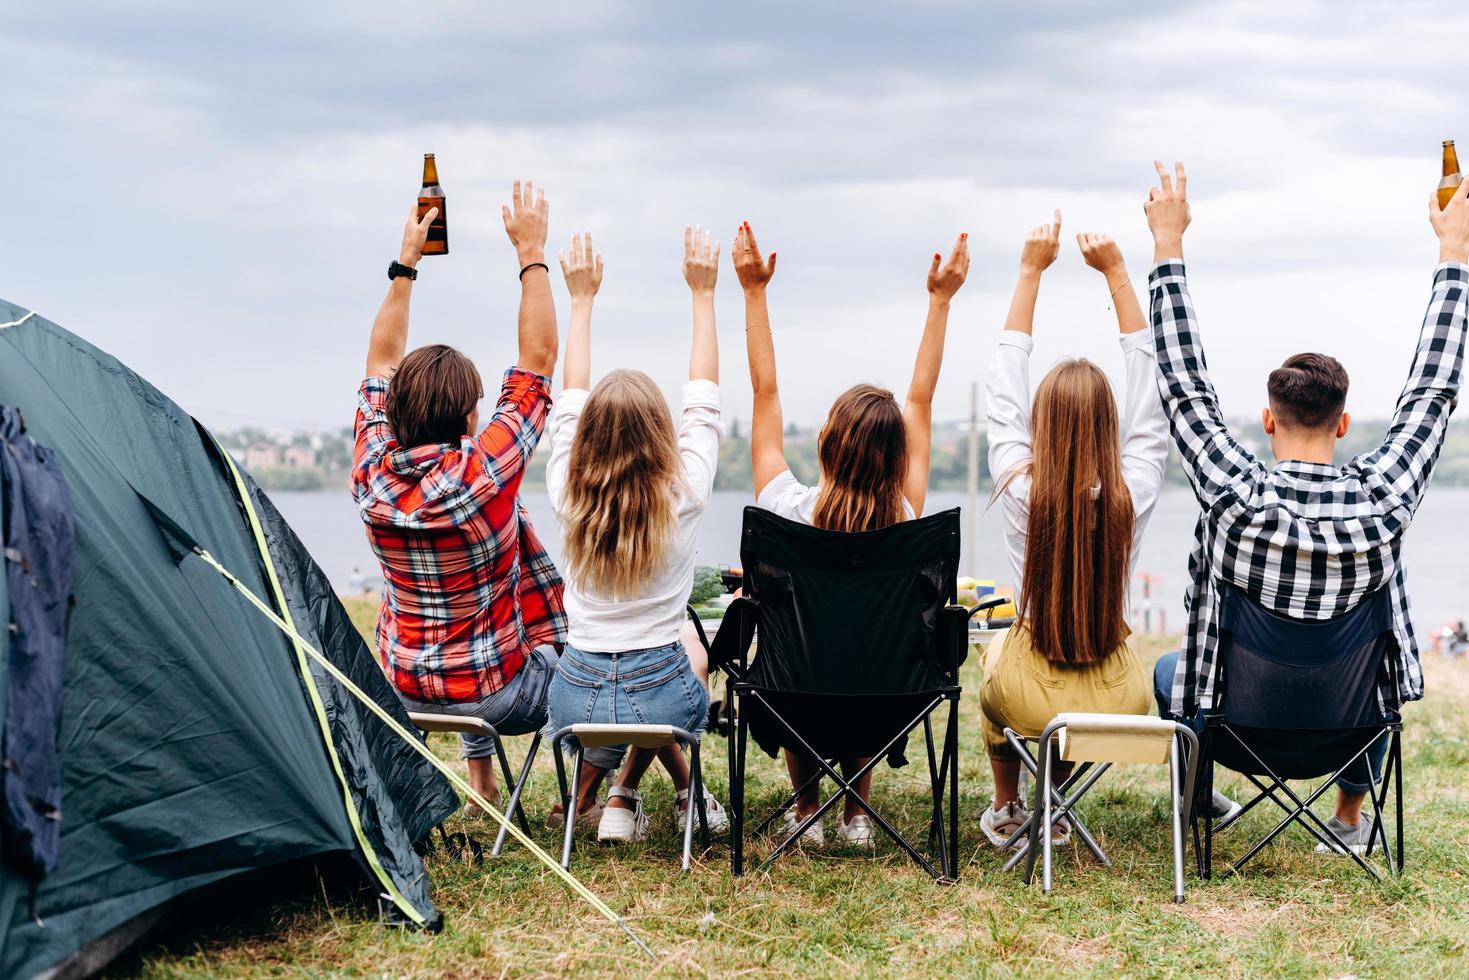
(472, 615)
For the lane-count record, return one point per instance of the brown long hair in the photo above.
(619, 510)
(1078, 545)
(864, 461)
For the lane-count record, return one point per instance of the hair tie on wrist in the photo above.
(534, 265)
(1123, 283)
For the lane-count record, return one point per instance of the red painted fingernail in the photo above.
(937, 257)
(965, 235)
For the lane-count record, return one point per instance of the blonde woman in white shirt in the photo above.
(874, 457)
(630, 489)
(1076, 485)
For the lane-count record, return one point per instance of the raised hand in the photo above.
(1041, 247)
(753, 271)
(525, 222)
(415, 233)
(944, 280)
(1451, 224)
(1101, 253)
(582, 268)
(1167, 211)
(700, 260)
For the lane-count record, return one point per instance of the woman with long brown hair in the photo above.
(630, 489)
(873, 455)
(1076, 487)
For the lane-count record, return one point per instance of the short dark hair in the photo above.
(1308, 391)
(431, 396)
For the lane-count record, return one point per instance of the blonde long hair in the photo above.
(1078, 545)
(620, 511)
(864, 462)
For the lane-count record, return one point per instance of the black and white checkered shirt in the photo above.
(1304, 539)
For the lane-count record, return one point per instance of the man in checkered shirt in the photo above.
(1308, 538)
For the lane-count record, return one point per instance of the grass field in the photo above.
(842, 912)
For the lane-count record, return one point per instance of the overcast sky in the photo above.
(213, 193)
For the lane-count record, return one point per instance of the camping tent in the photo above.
(197, 741)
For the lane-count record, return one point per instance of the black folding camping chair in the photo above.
(1297, 700)
(860, 642)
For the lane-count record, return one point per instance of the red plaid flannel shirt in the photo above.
(470, 588)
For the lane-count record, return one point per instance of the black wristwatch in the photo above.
(397, 269)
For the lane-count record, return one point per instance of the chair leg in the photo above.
(514, 806)
(1046, 769)
(509, 780)
(737, 787)
(952, 730)
(697, 795)
(695, 791)
(1397, 755)
(569, 808)
(1177, 821)
(936, 778)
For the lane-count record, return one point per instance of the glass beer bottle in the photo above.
(432, 196)
(1451, 176)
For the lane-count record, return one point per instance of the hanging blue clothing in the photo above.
(38, 533)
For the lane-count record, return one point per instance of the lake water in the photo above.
(1438, 576)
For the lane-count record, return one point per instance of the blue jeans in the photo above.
(518, 708)
(640, 687)
(1163, 673)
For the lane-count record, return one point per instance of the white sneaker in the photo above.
(815, 835)
(713, 813)
(1000, 825)
(620, 825)
(860, 830)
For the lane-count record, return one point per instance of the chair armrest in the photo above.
(952, 647)
(698, 626)
(729, 651)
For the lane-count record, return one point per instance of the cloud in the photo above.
(213, 193)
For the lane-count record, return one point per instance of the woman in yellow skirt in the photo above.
(1076, 486)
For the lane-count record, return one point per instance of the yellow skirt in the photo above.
(1023, 691)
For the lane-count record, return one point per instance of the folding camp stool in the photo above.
(1096, 741)
(644, 737)
(462, 725)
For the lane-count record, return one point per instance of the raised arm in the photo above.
(1214, 461)
(525, 222)
(700, 270)
(1144, 426)
(767, 437)
(1007, 392)
(582, 269)
(1405, 459)
(944, 281)
(389, 339)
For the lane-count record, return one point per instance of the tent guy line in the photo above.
(16, 323)
(417, 745)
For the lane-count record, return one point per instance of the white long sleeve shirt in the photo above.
(599, 624)
(1007, 403)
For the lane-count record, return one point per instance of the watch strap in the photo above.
(399, 270)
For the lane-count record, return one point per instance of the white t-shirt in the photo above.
(1144, 435)
(602, 625)
(789, 498)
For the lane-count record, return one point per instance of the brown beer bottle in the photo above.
(432, 196)
(1451, 176)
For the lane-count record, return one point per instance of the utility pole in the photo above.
(971, 510)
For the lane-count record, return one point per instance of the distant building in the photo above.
(262, 456)
(299, 458)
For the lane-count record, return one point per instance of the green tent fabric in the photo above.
(196, 742)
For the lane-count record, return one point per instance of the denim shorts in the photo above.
(518, 708)
(639, 687)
